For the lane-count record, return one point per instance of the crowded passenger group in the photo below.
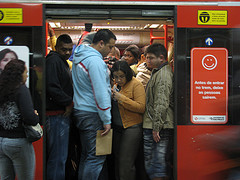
(100, 89)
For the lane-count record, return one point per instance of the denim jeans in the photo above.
(155, 153)
(57, 146)
(17, 157)
(90, 165)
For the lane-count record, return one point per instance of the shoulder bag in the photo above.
(33, 133)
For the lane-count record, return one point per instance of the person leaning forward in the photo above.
(92, 99)
(59, 93)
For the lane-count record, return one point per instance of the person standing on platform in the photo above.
(158, 117)
(92, 99)
(59, 94)
(17, 156)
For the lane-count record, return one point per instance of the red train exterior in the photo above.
(192, 158)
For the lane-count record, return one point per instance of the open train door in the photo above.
(22, 30)
(207, 84)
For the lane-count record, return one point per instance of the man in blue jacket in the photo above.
(92, 99)
(59, 94)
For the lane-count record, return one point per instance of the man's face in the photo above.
(65, 50)
(106, 48)
(153, 61)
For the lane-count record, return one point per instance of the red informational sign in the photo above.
(209, 85)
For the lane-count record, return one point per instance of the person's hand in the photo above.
(107, 128)
(68, 110)
(35, 111)
(156, 136)
(116, 95)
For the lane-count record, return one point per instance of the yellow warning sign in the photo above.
(11, 15)
(213, 17)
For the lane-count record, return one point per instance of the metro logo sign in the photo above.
(212, 17)
(209, 85)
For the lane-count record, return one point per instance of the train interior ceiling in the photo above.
(131, 25)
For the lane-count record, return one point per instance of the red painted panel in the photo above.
(187, 16)
(32, 14)
(38, 148)
(198, 155)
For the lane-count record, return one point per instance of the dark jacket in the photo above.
(59, 89)
(13, 113)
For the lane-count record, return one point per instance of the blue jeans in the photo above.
(17, 157)
(155, 153)
(90, 165)
(57, 146)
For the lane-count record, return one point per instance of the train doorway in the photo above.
(139, 25)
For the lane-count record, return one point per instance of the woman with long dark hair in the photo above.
(128, 106)
(17, 156)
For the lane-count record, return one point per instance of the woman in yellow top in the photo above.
(128, 106)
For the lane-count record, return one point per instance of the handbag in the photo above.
(33, 133)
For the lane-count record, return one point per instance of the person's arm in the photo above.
(162, 90)
(25, 106)
(53, 38)
(100, 82)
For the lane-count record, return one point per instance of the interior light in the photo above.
(53, 25)
(58, 24)
(154, 26)
(101, 27)
(146, 26)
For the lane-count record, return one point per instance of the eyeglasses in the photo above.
(119, 77)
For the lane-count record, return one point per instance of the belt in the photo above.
(54, 113)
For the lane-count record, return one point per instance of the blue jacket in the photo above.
(91, 82)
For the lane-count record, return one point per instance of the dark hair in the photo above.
(10, 79)
(105, 35)
(5, 51)
(157, 49)
(134, 50)
(124, 67)
(64, 38)
(143, 50)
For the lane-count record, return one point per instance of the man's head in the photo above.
(64, 46)
(103, 41)
(156, 55)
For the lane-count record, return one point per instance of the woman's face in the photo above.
(8, 57)
(128, 56)
(120, 78)
(25, 75)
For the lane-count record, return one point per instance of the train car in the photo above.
(203, 42)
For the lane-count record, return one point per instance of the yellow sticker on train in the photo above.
(212, 17)
(11, 15)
